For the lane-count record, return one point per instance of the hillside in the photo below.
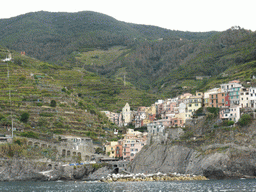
(157, 60)
(222, 57)
(53, 36)
(173, 65)
(79, 97)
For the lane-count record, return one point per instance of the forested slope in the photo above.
(151, 58)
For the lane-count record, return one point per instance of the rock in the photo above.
(98, 174)
(179, 161)
(213, 173)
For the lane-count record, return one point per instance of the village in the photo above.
(231, 98)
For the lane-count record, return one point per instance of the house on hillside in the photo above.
(231, 114)
(110, 148)
(9, 58)
(244, 97)
(252, 97)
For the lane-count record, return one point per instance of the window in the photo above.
(132, 145)
(132, 154)
(196, 104)
(136, 150)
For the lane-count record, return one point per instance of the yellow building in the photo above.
(110, 148)
(151, 110)
(193, 104)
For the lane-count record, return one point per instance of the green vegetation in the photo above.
(245, 119)
(187, 135)
(53, 103)
(19, 149)
(213, 110)
(97, 166)
(24, 117)
(30, 134)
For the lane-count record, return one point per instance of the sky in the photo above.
(183, 15)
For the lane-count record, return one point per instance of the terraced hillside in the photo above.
(32, 91)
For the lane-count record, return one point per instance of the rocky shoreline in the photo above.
(151, 177)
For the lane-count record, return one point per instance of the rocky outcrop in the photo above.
(98, 174)
(26, 170)
(21, 170)
(215, 162)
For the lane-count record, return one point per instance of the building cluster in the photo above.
(128, 147)
(175, 112)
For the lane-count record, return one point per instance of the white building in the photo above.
(9, 58)
(231, 114)
(155, 128)
(244, 97)
(252, 97)
(126, 112)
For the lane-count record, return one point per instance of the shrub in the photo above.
(213, 110)
(245, 119)
(230, 123)
(30, 134)
(187, 135)
(24, 117)
(39, 104)
(199, 111)
(53, 103)
(46, 114)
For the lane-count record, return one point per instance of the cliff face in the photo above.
(26, 170)
(213, 161)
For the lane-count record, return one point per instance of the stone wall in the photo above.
(67, 151)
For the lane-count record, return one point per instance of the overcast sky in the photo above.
(184, 15)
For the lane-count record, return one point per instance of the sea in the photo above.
(161, 186)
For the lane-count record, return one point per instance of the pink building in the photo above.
(177, 122)
(132, 143)
(232, 113)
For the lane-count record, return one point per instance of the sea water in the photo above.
(161, 186)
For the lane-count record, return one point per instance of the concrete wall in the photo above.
(66, 151)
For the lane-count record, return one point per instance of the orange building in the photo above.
(217, 100)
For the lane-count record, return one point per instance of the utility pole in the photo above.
(8, 77)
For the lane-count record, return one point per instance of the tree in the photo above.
(24, 117)
(245, 119)
(53, 103)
